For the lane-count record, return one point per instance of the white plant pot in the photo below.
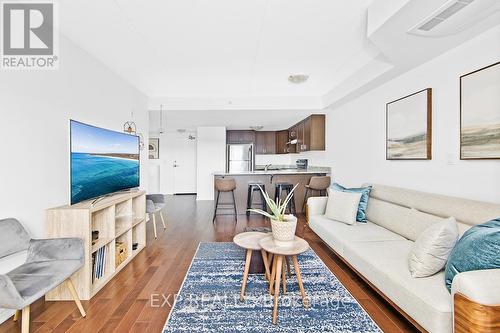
(284, 232)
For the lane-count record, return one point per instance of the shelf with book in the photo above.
(121, 217)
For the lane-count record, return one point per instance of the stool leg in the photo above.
(292, 205)
(249, 199)
(234, 205)
(264, 204)
(216, 204)
(305, 200)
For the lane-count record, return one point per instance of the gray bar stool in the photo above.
(316, 184)
(225, 185)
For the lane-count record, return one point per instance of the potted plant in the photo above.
(282, 225)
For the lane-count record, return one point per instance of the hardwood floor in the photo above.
(124, 305)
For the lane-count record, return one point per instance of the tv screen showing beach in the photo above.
(102, 161)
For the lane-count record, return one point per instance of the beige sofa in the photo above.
(378, 250)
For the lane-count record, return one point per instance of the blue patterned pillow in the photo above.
(363, 203)
(479, 248)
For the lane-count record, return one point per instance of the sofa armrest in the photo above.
(316, 205)
(482, 286)
(55, 249)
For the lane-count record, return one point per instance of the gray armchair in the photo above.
(49, 263)
(154, 204)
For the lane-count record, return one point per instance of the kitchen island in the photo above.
(269, 178)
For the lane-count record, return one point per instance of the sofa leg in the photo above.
(73, 292)
(25, 323)
(16, 315)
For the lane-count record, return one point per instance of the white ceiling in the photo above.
(221, 48)
(237, 54)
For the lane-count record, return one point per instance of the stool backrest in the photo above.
(13, 237)
(320, 182)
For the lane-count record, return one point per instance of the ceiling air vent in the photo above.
(454, 16)
(450, 9)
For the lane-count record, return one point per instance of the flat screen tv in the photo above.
(102, 161)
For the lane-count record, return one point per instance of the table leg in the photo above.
(283, 275)
(277, 287)
(245, 274)
(266, 264)
(299, 279)
(273, 276)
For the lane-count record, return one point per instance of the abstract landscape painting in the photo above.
(409, 130)
(480, 114)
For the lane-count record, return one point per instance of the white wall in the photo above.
(210, 158)
(356, 131)
(35, 108)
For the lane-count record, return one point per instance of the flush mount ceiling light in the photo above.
(257, 127)
(298, 78)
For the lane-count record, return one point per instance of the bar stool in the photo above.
(225, 185)
(252, 187)
(316, 183)
(287, 188)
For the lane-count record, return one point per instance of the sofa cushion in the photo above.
(363, 202)
(385, 265)
(336, 234)
(409, 223)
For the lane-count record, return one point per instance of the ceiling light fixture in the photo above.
(298, 78)
(257, 127)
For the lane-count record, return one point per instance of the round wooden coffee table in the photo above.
(280, 253)
(251, 242)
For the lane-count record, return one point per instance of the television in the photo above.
(102, 161)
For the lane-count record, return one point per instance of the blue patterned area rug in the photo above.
(209, 298)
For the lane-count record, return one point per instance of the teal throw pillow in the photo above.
(479, 248)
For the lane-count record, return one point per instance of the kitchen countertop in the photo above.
(284, 171)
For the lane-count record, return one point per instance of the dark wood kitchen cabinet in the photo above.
(281, 140)
(310, 133)
(265, 142)
(244, 136)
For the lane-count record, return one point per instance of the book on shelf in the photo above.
(99, 263)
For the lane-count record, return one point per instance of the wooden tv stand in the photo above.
(120, 217)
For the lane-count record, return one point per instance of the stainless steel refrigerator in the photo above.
(239, 157)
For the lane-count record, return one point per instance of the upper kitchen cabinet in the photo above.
(265, 142)
(245, 136)
(281, 142)
(311, 133)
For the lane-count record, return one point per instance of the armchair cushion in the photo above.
(34, 279)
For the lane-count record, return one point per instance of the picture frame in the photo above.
(409, 127)
(154, 148)
(480, 114)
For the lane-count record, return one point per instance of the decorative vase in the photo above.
(284, 231)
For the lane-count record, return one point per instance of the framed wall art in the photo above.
(480, 114)
(154, 148)
(409, 127)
